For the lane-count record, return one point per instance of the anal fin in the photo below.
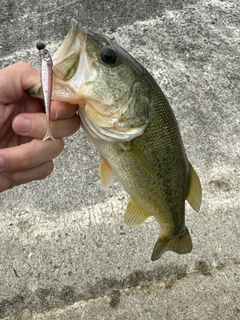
(105, 173)
(134, 215)
(194, 196)
(181, 244)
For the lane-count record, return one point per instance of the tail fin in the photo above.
(181, 244)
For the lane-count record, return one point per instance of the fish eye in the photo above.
(108, 56)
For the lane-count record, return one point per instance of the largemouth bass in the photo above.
(130, 122)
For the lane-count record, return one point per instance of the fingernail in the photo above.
(2, 163)
(56, 114)
(21, 125)
(62, 111)
(59, 112)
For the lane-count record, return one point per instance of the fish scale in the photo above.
(167, 193)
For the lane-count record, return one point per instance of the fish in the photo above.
(132, 125)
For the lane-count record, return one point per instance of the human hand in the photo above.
(24, 157)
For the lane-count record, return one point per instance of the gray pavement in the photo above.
(65, 252)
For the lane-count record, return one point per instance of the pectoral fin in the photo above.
(181, 244)
(105, 173)
(139, 156)
(134, 215)
(194, 196)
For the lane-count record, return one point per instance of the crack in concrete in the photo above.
(163, 276)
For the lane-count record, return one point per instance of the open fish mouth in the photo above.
(70, 65)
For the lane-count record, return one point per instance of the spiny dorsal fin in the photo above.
(105, 173)
(134, 215)
(194, 196)
(182, 244)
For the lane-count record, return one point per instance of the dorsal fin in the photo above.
(134, 215)
(105, 173)
(194, 196)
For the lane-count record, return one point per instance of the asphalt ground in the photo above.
(65, 252)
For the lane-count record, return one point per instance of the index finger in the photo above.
(15, 80)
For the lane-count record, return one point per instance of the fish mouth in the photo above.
(70, 65)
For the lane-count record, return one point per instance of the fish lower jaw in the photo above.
(36, 91)
(63, 91)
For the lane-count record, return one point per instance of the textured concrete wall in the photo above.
(65, 252)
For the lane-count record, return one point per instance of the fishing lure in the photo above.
(46, 82)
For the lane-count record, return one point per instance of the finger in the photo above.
(18, 78)
(60, 110)
(11, 179)
(34, 125)
(29, 155)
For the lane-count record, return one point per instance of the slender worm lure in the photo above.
(46, 82)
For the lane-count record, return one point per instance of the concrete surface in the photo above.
(65, 252)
